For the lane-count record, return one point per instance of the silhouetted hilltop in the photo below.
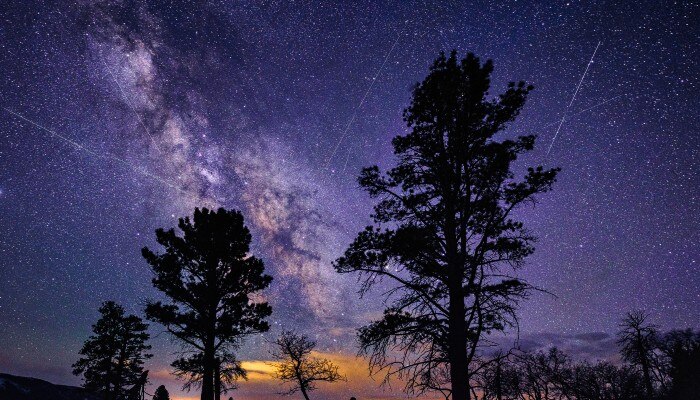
(24, 388)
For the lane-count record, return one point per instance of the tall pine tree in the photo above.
(445, 232)
(112, 358)
(210, 280)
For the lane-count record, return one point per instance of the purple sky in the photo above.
(147, 111)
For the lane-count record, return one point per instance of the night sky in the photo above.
(121, 116)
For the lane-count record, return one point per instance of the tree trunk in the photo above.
(499, 390)
(108, 385)
(209, 359)
(217, 380)
(457, 335)
(303, 392)
(121, 362)
(644, 361)
(302, 384)
(459, 370)
(647, 377)
(208, 370)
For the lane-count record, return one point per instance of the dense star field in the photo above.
(118, 117)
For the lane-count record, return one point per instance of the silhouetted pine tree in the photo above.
(161, 393)
(112, 358)
(444, 229)
(210, 279)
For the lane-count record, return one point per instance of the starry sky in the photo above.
(118, 117)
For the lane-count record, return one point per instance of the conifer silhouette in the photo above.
(444, 231)
(161, 393)
(112, 358)
(210, 280)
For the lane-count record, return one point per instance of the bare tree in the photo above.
(638, 340)
(297, 367)
(553, 375)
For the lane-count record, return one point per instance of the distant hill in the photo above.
(23, 388)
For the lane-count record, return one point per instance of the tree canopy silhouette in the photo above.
(681, 363)
(112, 358)
(161, 393)
(210, 280)
(669, 363)
(298, 367)
(444, 229)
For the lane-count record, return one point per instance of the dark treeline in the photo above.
(660, 366)
(444, 232)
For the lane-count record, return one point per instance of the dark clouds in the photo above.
(585, 346)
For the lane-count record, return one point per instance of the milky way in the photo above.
(273, 107)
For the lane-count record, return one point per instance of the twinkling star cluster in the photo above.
(120, 116)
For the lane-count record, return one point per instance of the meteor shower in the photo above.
(349, 200)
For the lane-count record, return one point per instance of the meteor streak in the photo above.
(128, 102)
(369, 89)
(107, 156)
(573, 98)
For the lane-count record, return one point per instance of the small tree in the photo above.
(210, 280)
(445, 235)
(161, 393)
(296, 366)
(638, 340)
(113, 356)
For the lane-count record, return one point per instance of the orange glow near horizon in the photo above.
(262, 384)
